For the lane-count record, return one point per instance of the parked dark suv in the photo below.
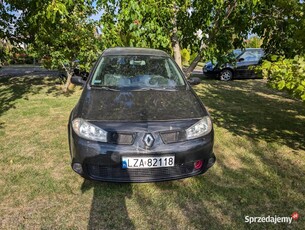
(240, 69)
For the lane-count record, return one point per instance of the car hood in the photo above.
(152, 105)
(209, 65)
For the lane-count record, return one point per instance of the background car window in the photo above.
(251, 55)
(137, 71)
(237, 52)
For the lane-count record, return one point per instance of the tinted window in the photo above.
(137, 71)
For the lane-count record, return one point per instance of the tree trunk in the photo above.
(176, 49)
(175, 40)
(192, 66)
(197, 59)
(68, 82)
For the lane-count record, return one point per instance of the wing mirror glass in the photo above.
(77, 80)
(194, 81)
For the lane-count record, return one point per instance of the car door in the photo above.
(246, 61)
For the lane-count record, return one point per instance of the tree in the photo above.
(67, 39)
(6, 20)
(59, 30)
(281, 25)
(156, 24)
(212, 28)
(175, 38)
(166, 24)
(253, 42)
(5, 51)
(286, 74)
(146, 23)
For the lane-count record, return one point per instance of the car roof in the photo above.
(133, 51)
(247, 49)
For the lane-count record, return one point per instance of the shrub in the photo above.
(185, 56)
(286, 74)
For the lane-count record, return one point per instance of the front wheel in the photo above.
(226, 75)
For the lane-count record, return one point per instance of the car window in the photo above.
(237, 52)
(252, 55)
(137, 71)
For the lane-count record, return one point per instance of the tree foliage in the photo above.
(5, 52)
(186, 56)
(281, 25)
(253, 42)
(149, 23)
(286, 74)
(146, 23)
(6, 21)
(212, 28)
(60, 31)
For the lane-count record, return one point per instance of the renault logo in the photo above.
(148, 140)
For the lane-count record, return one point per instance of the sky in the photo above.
(97, 17)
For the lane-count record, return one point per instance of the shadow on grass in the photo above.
(108, 208)
(266, 181)
(271, 185)
(14, 88)
(249, 108)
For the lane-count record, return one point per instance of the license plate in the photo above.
(147, 162)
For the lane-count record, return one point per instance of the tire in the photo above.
(226, 75)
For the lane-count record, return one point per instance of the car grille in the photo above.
(172, 137)
(140, 174)
(121, 138)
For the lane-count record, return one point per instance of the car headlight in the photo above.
(88, 131)
(199, 129)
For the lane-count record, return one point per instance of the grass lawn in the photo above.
(259, 144)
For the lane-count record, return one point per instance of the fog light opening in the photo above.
(198, 164)
(77, 167)
(211, 161)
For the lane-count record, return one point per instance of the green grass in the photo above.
(259, 144)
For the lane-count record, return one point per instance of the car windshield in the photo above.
(237, 52)
(137, 72)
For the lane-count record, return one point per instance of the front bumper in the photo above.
(103, 161)
(211, 73)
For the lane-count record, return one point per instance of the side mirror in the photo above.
(76, 80)
(194, 81)
(241, 59)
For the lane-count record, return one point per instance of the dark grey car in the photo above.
(138, 120)
(245, 60)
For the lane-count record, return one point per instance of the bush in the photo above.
(185, 56)
(193, 56)
(286, 74)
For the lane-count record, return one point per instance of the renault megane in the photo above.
(139, 120)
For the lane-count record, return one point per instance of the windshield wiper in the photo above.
(155, 89)
(106, 88)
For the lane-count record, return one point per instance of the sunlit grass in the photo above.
(259, 144)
